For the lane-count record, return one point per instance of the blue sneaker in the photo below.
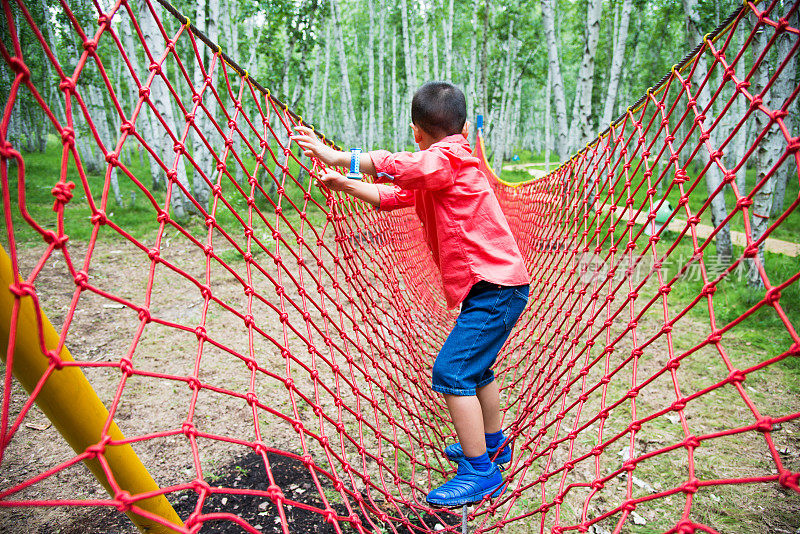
(468, 486)
(455, 453)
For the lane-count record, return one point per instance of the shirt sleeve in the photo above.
(392, 197)
(427, 169)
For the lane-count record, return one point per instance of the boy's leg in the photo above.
(477, 476)
(489, 399)
(468, 418)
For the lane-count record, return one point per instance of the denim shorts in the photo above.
(487, 316)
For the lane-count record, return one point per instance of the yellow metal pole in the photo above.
(72, 405)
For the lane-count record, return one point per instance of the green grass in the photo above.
(697, 195)
(137, 215)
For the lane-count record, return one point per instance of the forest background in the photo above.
(546, 75)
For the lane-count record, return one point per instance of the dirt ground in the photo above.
(154, 409)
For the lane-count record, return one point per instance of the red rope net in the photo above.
(647, 387)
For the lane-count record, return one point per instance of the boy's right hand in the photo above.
(313, 147)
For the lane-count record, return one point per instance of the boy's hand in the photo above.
(313, 147)
(335, 181)
(364, 190)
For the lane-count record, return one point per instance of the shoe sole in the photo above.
(497, 492)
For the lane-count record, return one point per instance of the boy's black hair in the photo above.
(439, 108)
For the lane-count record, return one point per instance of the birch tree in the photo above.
(783, 88)
(447, 31)
(767, 154)
(159, 99)
(381, 69)
(618, 57)
(582, 128)
(347, 100)
(554, 66)
(713, 177)
(371, 76)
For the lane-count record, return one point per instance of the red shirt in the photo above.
(463, 224)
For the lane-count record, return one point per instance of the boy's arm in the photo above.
(362, 190)
(313, 147)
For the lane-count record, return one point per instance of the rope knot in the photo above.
(19, 66)
(7, 150)
(81, 279)
(67, 86)
(99, 218)
(63, 193)
(23, 289)
(90, 46)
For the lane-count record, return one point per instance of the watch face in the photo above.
(355, 162)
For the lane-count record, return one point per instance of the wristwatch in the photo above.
(355, 164)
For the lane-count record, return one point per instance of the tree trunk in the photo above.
(499, 142)
(381, 68)
(371, 77)
(97, 111)
(347, 100)
(426, 46)
(767, 153)
(311, 104)
(485, 63)
(472, 93)
(326, 77)
(395, 97)
(548, 119)
(713, 177)
(557, 85)
(448, 42)
(738, 111)
(582, 126)
(782, 90)
(161, 141)
(409, 48)
(620, 39)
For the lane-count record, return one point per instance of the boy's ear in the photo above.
(417, 132)
(465, 129)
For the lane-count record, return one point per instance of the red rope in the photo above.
(628, 297)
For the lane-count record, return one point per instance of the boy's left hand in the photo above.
(335, 181)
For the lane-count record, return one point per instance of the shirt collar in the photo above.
(456, 139)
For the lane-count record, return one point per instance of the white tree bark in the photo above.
(499, 141)
(548, 119)
(782, 90)
(472, 92)
(347, 99)
(713, 177)
(766, 154)
(448, 41)
(97, 112)
(200, 188)
(311, 105)
(159, 138)
(582, 128)
(739, 145)
(395, 97)
(426, 45)
(410, 50)
(327, 76)
(618, 57)
(371, 77)
(381, 69)
(548, 19)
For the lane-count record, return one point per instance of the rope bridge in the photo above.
(256, 314)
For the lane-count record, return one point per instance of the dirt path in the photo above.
(737, 238)
(787, 248)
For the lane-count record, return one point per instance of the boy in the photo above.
(481, 266)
